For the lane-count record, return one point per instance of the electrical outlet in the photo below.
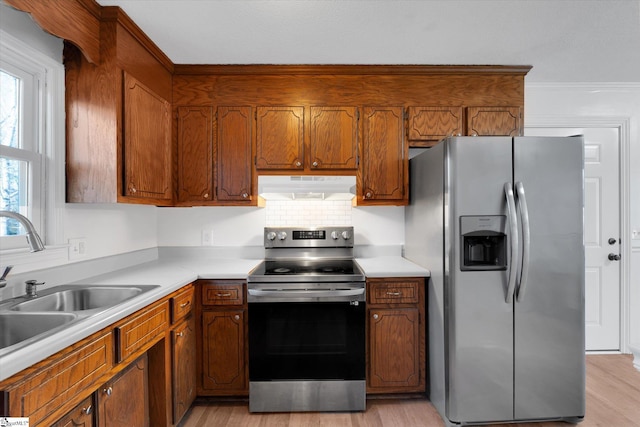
(207, 237)
(77, 248)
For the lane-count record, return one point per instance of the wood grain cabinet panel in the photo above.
(384, 171)
(147, 142)
(80, 416)
(223, 352)
(182, 304)
(183, 367)
(428, 125)
(233, 154)
(123, 401)
(502, 121)
(396, 341)
(280, 138)
(195, 154)
(220, 292)
(138, 331)
(394, 352)
(52, 386)
(334, 138)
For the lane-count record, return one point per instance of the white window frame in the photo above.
(47, 173)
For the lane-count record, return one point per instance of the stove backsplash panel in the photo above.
(308, 213)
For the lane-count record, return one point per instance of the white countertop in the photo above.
(170, 275)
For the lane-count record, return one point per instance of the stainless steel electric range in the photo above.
(307, 323)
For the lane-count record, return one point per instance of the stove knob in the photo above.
(346, 235)
(271, 235)
(335, 235)
(282, 235)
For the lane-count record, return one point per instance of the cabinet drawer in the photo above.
(55, 385)
(222, 293)
(181, 304)
(143, 328)
(400, 292)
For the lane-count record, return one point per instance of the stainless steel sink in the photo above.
(80, 298)
(20, 327)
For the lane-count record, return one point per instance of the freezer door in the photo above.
(549, 313)
(478, 319)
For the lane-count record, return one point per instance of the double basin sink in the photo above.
(24, 320)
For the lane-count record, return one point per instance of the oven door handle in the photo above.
(297, 293)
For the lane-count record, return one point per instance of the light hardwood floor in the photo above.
(613, 400)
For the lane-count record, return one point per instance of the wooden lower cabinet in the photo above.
(222, 335)
(80, 416)
(183, 367)
(123, 401)
(396, 324)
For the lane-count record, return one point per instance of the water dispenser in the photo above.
(483, 243)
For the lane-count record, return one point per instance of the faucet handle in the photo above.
(3, 278)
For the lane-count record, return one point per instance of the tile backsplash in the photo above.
(308, 213)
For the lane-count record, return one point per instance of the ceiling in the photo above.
(564, 40)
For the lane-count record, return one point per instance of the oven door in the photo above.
(291, 341)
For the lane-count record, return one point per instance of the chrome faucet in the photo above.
(3, 279)
(32, 235)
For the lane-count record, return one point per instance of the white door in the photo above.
(601, 234)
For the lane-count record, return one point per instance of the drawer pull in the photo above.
(108, 391)
(88, 410)
(184, 304)
(221, 295)
(179, 334)
(394, 294)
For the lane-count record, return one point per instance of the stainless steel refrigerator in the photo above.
(499, 223)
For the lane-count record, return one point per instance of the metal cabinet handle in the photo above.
(132, 189)
(237, 317)
(368, 195)
(298, 164)
(376, 317)
(206, 195)
(179, 334)
(393, 294)
(245, 195)
(221, 295)
(108, 391)
(315, 164)
(87, 411)
(184, 304)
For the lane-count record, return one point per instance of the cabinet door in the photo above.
(385, 166)
(223, 355)
(183, 364)
(280, 138)
(233, 156)
(394, 351)
(334, 138)
(500, 121)
(80, 416)
(147, 143)
(123, 402)
(428, 125)
(195, 154)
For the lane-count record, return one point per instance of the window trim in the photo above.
(51, 140)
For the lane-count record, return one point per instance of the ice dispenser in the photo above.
(484, 242)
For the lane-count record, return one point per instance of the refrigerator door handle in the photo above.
(513, 238)
(526, 239)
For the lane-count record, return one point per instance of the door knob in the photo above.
(614, 257)
(612, 241)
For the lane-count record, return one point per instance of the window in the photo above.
(30, 85)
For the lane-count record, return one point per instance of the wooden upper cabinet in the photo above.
(334, 138)
(233, 154)
(280, 138)
(503, 121)
(147, 142)
(195, 154)
(428, 125)
(384, 171)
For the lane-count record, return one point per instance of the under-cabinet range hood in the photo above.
(305, 187)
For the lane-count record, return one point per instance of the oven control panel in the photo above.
(291, 237)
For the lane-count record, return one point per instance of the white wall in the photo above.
(615, 103)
